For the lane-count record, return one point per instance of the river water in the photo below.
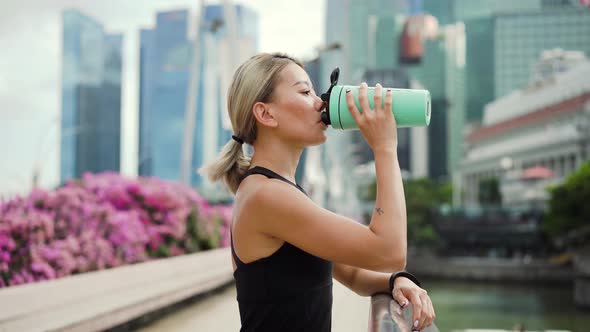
(462, 305)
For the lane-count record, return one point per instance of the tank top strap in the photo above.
(272, 175)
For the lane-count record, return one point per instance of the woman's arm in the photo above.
(366, 283)
(389, 216)
(279, 210)
(379, 128)
(361, 281)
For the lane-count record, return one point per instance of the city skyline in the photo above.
(38, 131)
(166, 58)
(31, 67)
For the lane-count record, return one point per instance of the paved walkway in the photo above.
(219, 313)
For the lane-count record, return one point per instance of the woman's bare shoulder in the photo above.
(257, 193)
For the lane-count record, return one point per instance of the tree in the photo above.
(422, 197)
(569, 205)
(489, 192)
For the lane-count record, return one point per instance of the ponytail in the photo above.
(230, 166)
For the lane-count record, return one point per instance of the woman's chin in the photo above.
(322, 139)
(318, 138)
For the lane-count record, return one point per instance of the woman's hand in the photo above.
(404, 292)
(377, 125)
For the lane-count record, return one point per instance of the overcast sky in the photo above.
(30, 69)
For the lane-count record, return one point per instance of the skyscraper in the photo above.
(164, 74)
(519, 39)
(455, 82)
(166, 53)
(91, 97)
(220, 57)
(441, 70)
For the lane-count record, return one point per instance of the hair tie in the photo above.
(237, 139)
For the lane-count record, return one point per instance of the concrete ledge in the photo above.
(100, 300)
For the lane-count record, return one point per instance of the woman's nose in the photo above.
(320, 104)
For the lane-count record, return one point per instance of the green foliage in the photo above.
(569, 205)
(422, 197)
(208, 232)
(204, 233)
(489, 192)
(162, 252)
(192, 242)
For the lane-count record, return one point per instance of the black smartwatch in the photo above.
(402, 274)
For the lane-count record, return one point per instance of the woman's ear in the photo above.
(263, 115)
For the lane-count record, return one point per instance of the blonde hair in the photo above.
(254, 81)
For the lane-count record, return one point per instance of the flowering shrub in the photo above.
(104, 221)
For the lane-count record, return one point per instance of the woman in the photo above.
(285, 248)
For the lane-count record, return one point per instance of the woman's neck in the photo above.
(277, 156)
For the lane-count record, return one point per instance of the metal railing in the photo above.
(385, 315)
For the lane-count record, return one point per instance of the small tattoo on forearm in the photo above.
(379, 211)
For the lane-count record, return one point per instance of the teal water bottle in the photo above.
(410, 107)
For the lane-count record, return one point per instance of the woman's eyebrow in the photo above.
(301, 82)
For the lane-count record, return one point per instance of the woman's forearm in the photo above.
(367, 282)
(389, 217)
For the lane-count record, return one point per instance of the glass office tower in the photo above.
(91, 97)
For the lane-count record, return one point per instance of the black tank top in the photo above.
(289, 290)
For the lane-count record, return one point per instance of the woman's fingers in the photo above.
(364, 100)
(400, 298)
(430, 313)
(378, 98)
(354, 111)
(427, 314)
(378, 128)
(417, 304)
(388, 104)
